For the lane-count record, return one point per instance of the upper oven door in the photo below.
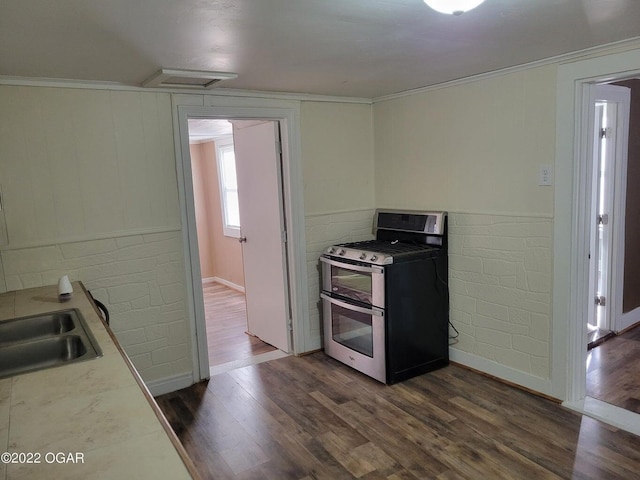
(358, 282)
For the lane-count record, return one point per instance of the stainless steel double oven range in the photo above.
(386, 301)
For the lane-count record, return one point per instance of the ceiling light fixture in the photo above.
(453, 7)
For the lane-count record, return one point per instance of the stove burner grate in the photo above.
(389, 248)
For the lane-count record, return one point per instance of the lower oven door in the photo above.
(355, 335)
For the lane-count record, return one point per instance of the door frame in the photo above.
(571, 217)
(195, 106)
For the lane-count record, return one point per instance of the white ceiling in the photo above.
(362, 48)
(204, 129)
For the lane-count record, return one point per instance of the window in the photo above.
(228, 187)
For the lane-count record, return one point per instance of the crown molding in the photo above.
(629, 43)
(219, 92)
(558, 59)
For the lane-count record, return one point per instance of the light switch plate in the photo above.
(545, 175)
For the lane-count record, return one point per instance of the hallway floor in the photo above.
(226, 316)
(612, 371)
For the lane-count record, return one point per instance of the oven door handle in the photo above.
(378, 312)
(350, 266)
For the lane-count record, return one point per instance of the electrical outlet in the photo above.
(545, 175)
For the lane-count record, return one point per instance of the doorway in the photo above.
(608, 186)
(610, 377)
(572, 229)
(215, 196)
(292, 259)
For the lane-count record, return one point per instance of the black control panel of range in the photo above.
(407, 222)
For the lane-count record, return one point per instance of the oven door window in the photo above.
(351, 284)
(352, 329)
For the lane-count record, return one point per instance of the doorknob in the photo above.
(242, 239)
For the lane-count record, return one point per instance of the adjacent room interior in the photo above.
(215, 198)
(614, 329)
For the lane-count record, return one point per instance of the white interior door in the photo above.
(258, 169)
(603, 187)
(608, 210)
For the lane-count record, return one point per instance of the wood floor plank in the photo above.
(284, 439)
(313, 418)
(520, 466)
(410, 456)
(612, 371)
(549, 453)
(226, 319)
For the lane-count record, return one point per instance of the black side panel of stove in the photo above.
(417, 317)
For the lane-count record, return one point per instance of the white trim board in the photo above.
(630, 319)
(245, 362)
(558, 59)
(91, 237)
(495, 213)
(498, 370)
(288, 114)
(609, 414)
(222, 92)
(591, 407)
(222, 281)
(219, 92)
(170, 384)
(339, 212)
(571, 207)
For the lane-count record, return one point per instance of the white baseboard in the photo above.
(628, 319)
(610, 414)
(495, 369)
(227, 283)
(253, 360)
(170, 384)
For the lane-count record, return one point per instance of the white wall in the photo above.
(474, 150)
(433, 150)
(141, 280)
(337, 154)
(500, 294)
(81, 163)
(474, 147)
(89, 190)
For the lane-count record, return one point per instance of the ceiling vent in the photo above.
(169, 78)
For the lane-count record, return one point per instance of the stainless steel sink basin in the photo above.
(43, 341)
(31, 328)
(48, 352)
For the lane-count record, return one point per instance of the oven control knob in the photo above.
(374, 258)
(363, 256)
(342, 251)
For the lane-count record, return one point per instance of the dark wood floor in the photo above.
(226, 314)
(613, 371)
(313, 418)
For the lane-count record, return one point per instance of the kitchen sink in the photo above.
(31, 328)
(43, 341)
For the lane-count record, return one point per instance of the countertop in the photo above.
(96, 413)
